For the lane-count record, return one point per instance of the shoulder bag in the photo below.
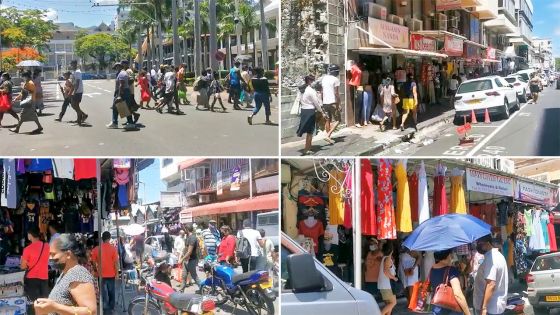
(444, 296)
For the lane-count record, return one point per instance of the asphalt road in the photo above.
(532, 131)
(196, 133)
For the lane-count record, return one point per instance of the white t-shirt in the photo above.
(169, 79)
(453, 84)
(253, 236)
(329, 82)
(310, 99)
(179, 245)
(494, 267)
(77, 75)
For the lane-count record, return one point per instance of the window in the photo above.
(546, 263)
(166, 162)
(498, 83)
(475, 86)
(265, 166)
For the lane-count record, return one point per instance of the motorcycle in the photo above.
(162, 299)
(253, 289)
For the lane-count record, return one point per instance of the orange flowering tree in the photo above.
(13, 56)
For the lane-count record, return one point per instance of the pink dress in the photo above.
(348, 201)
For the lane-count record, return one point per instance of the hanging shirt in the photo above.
(551, 233)
(458, 204)
(413, 188)
(313, 232)
(31, 218)
(122, 176)
(348, 201)
(336, 200)
(123, 196)
(423, 200)
(85, 169)
(40, 165)
(528, 222)
(45, 216)
(63, 168)
(386, 213)
(8, 185)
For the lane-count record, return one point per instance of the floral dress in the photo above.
(385, 210)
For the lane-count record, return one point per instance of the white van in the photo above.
(269, 222)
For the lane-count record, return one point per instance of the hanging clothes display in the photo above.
(40, 165)
(423, 201)
(413, 188)
(369, 224)
(551, 233)
(8, 187)
(311, 204)
(536, 241)
(520, 250)
(403, 218)
(313, 229)
(544, 218)
(63, 168)
(348, 201)
(85, 168)
(458, 203)
(440, 196)
(336, 199)
(385, 210)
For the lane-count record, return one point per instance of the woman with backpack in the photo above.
(410, 101)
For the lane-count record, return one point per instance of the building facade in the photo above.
(542, 55)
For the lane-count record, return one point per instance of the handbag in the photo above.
(420, 297)
(296, 106)
(122, 108)
(5, 104)
(444, 296)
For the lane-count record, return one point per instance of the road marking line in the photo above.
(495, 132)
(486, 126)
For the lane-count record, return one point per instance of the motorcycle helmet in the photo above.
(333, 69)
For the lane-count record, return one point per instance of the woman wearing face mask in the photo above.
(373, 263)
(444, 270)
(410, 101)
(387, 95)
(74, 292)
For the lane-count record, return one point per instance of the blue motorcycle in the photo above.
(253, 289)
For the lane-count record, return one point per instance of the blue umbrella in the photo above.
(446, 231)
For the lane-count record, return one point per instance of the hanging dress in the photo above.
(551, 233)
(336, 200)
(385, 211)
(404, 219)
(423, 201)
(440, 196)
(458, 204)
(347, 186)
(544, 224)
(369, 224)
(536, 241)
(413, 186)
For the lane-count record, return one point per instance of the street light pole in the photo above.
(237, 33)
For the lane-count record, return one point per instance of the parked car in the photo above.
(520, 86)
(268, 221)
(543, 283)
(526, 74)
(491, 93)
(308, 287)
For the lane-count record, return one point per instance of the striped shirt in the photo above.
(209, 242)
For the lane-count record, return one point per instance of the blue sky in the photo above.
(154, 184)
(545, 22)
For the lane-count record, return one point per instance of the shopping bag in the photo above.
(5, 104)
(182, 94)
(421, 297)
(242, 97)
(177, 274)
(122, 108)
(296, 106)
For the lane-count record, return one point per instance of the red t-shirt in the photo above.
(38, 266)
(356, 79)
(85, 169)
(226, 248)
(109, 259)
(313, 232)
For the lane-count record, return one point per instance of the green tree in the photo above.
(26, 28)
(248, 20)
(557, 62)
(103, 47)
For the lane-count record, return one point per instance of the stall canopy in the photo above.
(400, 51)
(263, 202)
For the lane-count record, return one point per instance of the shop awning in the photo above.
(190, 162)
(262, 202)
(470, 42)
(439, 34)
(399, 51)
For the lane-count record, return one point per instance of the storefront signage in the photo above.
(475, 29)
(453, 46)
(219, 183)
(489, 183)
(170, 199)
(185, 216)
(267, 184)
(8, 195)
(236, 179)
(532, 193)
(392, 34)
(422, 43)
(444, 5)
(472, 52)
(491, 53)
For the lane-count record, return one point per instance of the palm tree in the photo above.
(129, 33)
(248, 20)
(226, 28)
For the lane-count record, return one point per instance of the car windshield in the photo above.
(525, 76)
(510, 80)
(546, 263)
(475, 86)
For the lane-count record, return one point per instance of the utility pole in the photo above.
(197, 43)
(237, 26)
(264, 38)
(213, 35)
(176, 52)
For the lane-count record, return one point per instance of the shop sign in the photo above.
(8, 194)
(219, 183)
(236, 179)
(475, 30)
(170, 199)
(422, 43)
(532, 193)
(444, 5)
(453, 46)
(185, 216)
(121, 163)
(489, 183)
(491, 53)
(472, 52)
(267, 184)
(393, 34)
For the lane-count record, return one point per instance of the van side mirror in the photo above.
(303, 274)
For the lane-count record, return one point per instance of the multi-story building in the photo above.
(542, 54)
(544, 170)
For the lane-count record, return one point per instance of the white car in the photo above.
(526, 74)
(520, 86)
(491, 93)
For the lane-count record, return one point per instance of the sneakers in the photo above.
(112, 126)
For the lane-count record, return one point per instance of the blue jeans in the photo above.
(260, 100)
(127, 98)
(366, 109)
(108, 289)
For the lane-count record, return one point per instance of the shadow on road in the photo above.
(549, 139)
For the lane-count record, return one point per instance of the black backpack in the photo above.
(242, 247)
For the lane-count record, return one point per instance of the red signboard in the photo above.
(453, 46)
(444, 5)
(422, 43)
(491, 53)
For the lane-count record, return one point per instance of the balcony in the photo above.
(486, 12)
(507, 8)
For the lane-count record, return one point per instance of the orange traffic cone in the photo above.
(473, 117)
(487, 117)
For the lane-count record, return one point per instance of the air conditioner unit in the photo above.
(375, 11)
(204, 198)
(414, 25)
(395, 19)
(442, 22)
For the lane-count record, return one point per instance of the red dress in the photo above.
(552, 234)
(413, 189)
(369, 224)
(440, 196)
(386, 226)
(144, 89)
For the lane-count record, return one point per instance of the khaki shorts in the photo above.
(387, 294)
(330, 110)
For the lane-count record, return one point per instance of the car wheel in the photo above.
(523, 97)
(505, 112)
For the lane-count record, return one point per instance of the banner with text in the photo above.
(531, 193)
(489, 183)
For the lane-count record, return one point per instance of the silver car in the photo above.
(308, 287)
(543, 283)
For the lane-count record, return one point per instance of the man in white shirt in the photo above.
(257, 261)
(491, 281)
(179, 243)
(331, 99)
(77, 92)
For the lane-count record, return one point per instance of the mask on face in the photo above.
(372, 248)
(57, 264)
